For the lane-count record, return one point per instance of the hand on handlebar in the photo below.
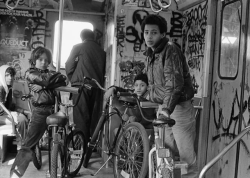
(163, 112)
(109, 93)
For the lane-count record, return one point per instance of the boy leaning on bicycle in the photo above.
(41, 84)
(170, 85)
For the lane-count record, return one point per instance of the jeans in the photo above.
(37, 127)
(182, 135)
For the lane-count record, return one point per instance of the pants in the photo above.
(87, 112)
(37, 127)
(182, 135)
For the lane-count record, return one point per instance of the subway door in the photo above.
(227, 91)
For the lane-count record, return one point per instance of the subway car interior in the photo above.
(213, 35)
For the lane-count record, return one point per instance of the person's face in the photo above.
(9, 78)
(152, 35)
(140, 87)
(42, 62)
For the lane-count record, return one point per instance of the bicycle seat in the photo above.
(165, 121)
(58, 118)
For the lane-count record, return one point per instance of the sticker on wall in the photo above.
(16, 29)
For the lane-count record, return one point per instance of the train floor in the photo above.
(95, 163)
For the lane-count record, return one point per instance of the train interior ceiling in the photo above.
(212, 34)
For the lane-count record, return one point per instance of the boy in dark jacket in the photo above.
(170, 85)
(40, 82)
(141, 89)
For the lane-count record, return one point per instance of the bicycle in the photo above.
(161, 158)
(130, 147)
(66, 143)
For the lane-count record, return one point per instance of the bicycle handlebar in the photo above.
(73, 90)
(78, 91)
(126, 94)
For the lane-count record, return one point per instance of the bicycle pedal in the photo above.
(182, 166)
(163, 153)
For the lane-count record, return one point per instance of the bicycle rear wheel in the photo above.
(37, 157)
(131, 152)
(75, 152)
(57, 163)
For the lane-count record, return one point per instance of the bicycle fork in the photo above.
(163, 157)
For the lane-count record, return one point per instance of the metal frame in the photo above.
(223, 152)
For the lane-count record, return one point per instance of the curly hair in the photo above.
(153, 19)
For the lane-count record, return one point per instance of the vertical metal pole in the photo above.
(58, 56)
(59, 44)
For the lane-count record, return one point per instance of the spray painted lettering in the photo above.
(120, 34)
(133, 33)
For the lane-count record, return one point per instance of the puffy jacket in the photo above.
(168, 75)
(48, 80)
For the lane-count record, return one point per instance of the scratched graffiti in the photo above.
(194, 31)
(226, 117)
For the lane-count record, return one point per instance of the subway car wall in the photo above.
(213, 35)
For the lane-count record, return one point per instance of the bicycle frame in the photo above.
(162, 153)
(96, 135)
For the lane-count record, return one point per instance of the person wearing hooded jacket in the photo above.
(7, 74)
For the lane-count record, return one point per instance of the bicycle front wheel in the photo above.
(75, 152)
(57, 163)
(131, 152)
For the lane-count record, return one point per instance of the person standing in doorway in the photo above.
(86, 59)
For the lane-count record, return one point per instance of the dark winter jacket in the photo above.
(168, 75)
(49, 80)
(86, 59)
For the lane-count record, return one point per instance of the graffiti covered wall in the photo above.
(194, 31)
(130, 41)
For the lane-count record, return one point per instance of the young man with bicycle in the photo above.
(170, 85)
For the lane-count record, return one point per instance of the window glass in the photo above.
(230, 40)
(70, 37)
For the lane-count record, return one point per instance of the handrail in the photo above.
(224, 151)
(161, 6)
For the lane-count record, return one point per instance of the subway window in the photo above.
(70, 37)
(230, 40)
